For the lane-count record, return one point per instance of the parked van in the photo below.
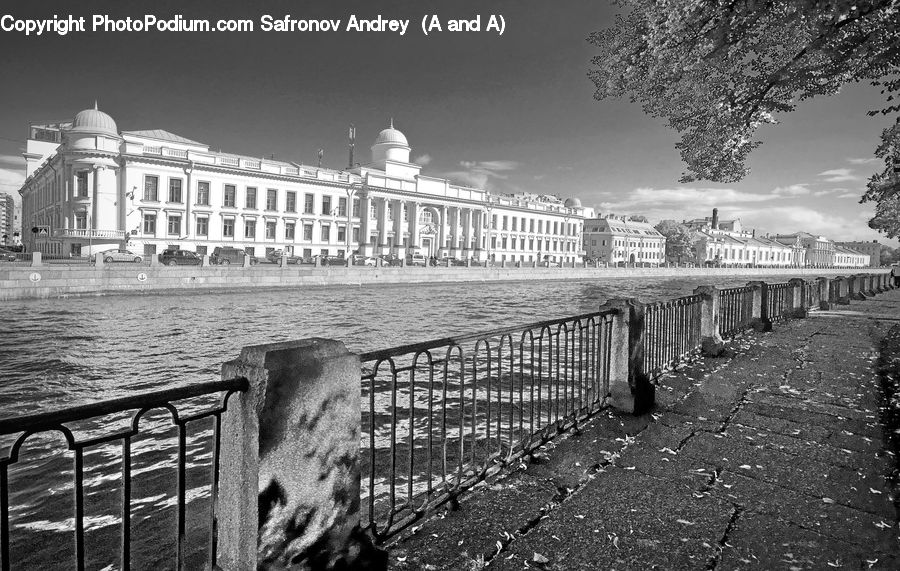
(416, 260)
(226, 255)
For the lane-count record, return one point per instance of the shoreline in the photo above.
(59, 282)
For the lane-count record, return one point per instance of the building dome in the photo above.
(94, 121)
(391, 136)
(573, 203)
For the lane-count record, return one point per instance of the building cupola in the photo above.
(390, 145)
(95, 122)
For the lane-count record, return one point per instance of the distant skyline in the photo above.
(508, 113)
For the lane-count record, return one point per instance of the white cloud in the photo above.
(13, 160)
(792, 190)
(849, 195)
(839, 175)
(11, 181)
(423, 160)
(869, 161)
(482, 174)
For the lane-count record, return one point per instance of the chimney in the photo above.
(715, 220)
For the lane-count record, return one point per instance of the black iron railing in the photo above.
(671, 333)
(90, 433)
(780, 300)
(735, 310)
(813, 295)
(440, 416)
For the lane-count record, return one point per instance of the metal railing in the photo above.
(90, 433)
(735, 310)
(779, 301)
(671, 333)
(440, 416)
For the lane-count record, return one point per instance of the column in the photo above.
(454, 232)
(365, 205)
(711, 343)
(442, 233)
(467, 223)
(399, 248)
(413, 209)
(479, 217)
(381, 212)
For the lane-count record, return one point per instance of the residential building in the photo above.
(727, 243)
(872, 249)
(94, 186)
(845, 257)
(819, 250)
(8, 225)
(615, 239)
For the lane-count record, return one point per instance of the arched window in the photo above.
(426, 217)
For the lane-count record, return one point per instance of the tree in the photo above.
(716, 70)
(638, 218)
(680, 241)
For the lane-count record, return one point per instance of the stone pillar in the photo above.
(870, 285)
(247, 261)
(630, 389)
(468, 221)
(478, 220)
(154, 259)
(204, 261)
(289, 488)
(381, 213)
(840, 291)
(36, 258)
(413, 209)
(442, 233)
(824, 285)
(400, 249)
(798, 302)
(282, 261)
(855, 287)
(711, 343)
(97, 260)
(453, 223)
(365, 208)
(760, 320)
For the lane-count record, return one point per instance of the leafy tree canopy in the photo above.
(680, 240)
(716, 70)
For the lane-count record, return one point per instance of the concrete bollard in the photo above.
(154, 259)
(247, 261)
(35, 258)
(824, 285)
(760, 320)
(289, 488)
(98, 260)
(282, 261)
(630, 387)
(204, 261)
(798, 301)
(711, 342)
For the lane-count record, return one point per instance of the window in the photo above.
(250, 201)
(151, 187)
(326, 205)
(81, 184)
(494, 222)
(149, 223)
(175, 190)
(426, 217)
(81, 220)
(174, 228)
(307, 231)
(228, 228)
(201, 250)
(202, 226)
(250, 250)
(289, 230)
(228, 200)
(290, 201)
(506, 222)
(355, 234)
(356, 208)
(308, 201)
(307, 253)
(250, 229)
(271, 199)
(342, 234)
(540, 226)
(390, 208)
(270, 230)
(203, 193)
(515, 224)
(342, 207)
(531, 225)
(326, 233)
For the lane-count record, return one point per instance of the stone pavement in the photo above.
(768, 458)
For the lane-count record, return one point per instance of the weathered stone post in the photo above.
(289, 475)
(711, 343)
(630, 388)
(840, 291)
(854, 283)
(760, 320)
(282, 261)
(468, 262)
(824, 285)
(154, 259)
(36, 258)
(870, 285)
(98, 260)
(799, 308)
(878, 283)
(204, 260)
(247, 261)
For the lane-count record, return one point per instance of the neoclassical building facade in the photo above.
(90, 187)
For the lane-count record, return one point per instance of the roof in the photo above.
(162, 135)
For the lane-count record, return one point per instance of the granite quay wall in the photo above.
(299, 482)
(60, 280)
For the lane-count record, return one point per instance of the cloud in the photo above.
(11, 181)
(792, 190)
(839, 175)
(13, 160)
(869, 161)
(423, 160)
(483, 174)
(849, 195)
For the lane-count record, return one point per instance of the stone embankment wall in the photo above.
(52, 280)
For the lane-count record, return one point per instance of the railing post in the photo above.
(98, 260)
(761, 321)
(855, 287)
(282, 261)
(204, 261)
(840, 293)
(870, 285)
(798, 301)
(711, 343)
(630, 388)
(288, 464)
(246, 262)
(824, 285)
(36, 258)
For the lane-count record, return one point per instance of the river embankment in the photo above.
(57, 280)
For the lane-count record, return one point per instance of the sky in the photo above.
(508, 112)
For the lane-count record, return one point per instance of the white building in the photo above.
(614, 239)
(93, 186)
(872, 249)
(7, 218)
(845, 257)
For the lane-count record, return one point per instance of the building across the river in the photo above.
(8, 227)
(90, 187)
(872, 249)
(614, 239)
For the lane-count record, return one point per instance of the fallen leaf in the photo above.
(745, 467)
(828, 500)
(538, 558)
(685, 522)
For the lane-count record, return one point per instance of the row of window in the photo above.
(519, 224)
(174, 223)
(545, 245)
(733, 254)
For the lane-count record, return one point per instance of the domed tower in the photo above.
(93, 130)
(573, 203)
(390, 145)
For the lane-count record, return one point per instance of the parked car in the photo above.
(330, 260)
(416, 260)
(120, 255)
(360, 260)
(227, 255)
(275, 257)
(454, 261)
(7, 256)
(391, 260)
(179, 258)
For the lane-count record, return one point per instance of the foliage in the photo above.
(680, 241)
(884, 187)
(639, 218)
(716, 70)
